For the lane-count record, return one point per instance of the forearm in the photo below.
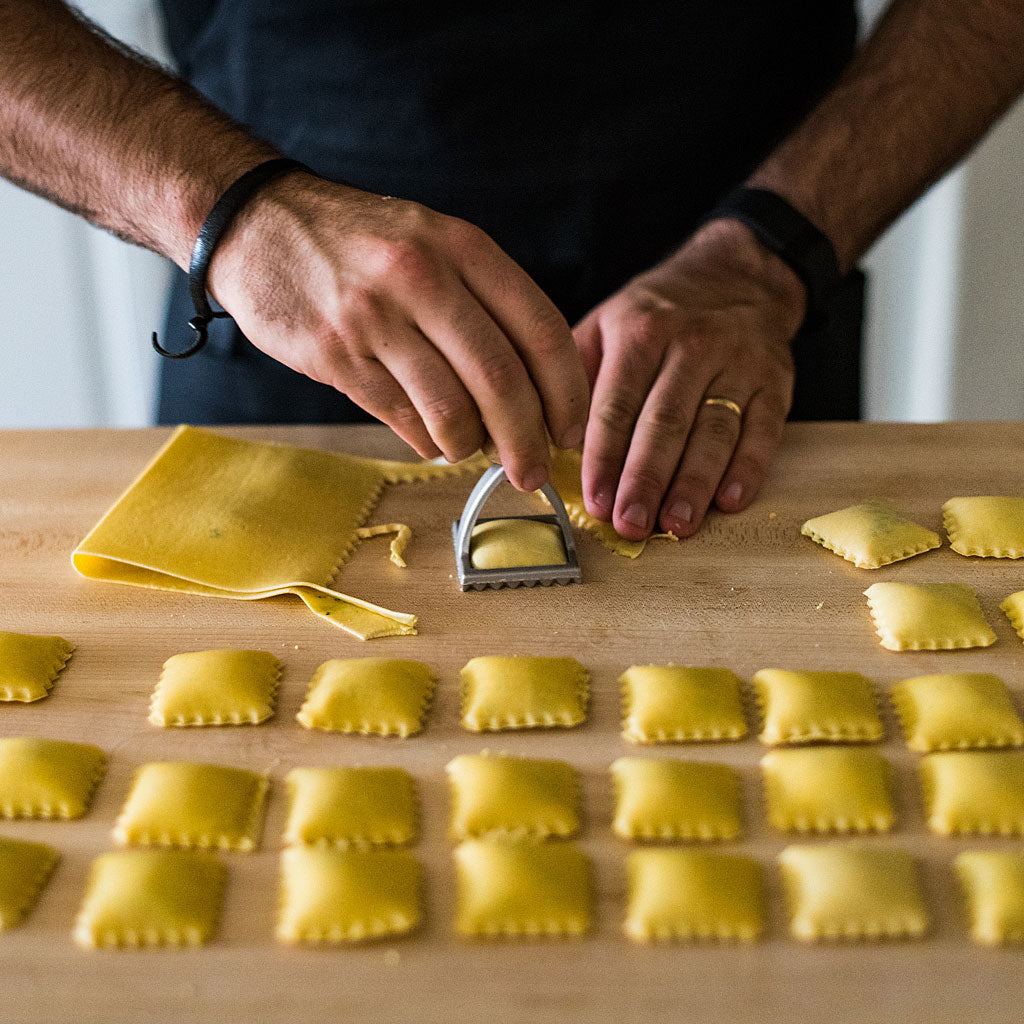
(922, 90)
(109, 135)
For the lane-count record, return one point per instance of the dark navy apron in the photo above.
(586, 137)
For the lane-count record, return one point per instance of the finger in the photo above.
(709, 449)
(535, 328)
(440, 398)
(587, 335)
(763, 422)
(622, 385)
(657, 446)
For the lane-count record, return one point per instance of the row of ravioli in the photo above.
(661, 703)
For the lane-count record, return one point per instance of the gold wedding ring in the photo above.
(725, 403)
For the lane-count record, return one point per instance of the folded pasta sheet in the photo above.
(221, 517)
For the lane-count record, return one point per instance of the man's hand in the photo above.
(715, 319)
(419, 318)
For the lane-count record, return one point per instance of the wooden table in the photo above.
(748, 592)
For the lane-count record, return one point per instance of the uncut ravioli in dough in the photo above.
(927, 616)
(48, 778)
(520, 797)
(24, 869)
(670, 703)
(989, 527)
(194, 805)
(993, 887)
(957, 710)
(151, 898)
(351, 807)
(828, 789)
(30, 664)
(372, 696)
(837, 892)
(662, 799)
(523, 692)
(225, 687)
(516, 890)
(870, 535)
(509, 543)
(333, 896)
(973, 792)
(691, 894)
(805, 707)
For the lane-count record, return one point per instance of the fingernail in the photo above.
(681, 512)
(732, 494)
(572, 437)
(535, 478)
(636, 515)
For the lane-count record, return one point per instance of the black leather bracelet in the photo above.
(219, 219)
(785, 231)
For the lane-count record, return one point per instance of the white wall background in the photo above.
(945, 325)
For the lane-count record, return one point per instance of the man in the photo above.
(552, 164)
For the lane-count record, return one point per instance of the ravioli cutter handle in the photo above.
(492, 477)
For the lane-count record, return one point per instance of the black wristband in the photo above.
(218, 220)
(785, 231)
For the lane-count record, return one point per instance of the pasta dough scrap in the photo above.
(927, 616)
(358, 807)
(194, 805)
(509, 543)
(851, 893)
(29, 665)
(989, 527)
(514, 890)
(974, 792)
(870, 535)
(691, 894)
(804, 707)
(1013, 608)
(142, 898)
(672, 704)
(48, 778)
(675, 799)
(400, 541)
(25, 868)
(372, 696)
(828, 789)
(957, 710)
(523, 692)
(225, 687)
(334, 896)
(519, 797)
(993, 887)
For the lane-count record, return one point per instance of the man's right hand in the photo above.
(418, 317)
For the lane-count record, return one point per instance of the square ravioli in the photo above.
(510, 543)
(1013, 609)
(989, 527)
(809, 707)
(372, 696)
(30, 664)
(957, 710)
(840, 892)
(151, 898)
(974, 792)
(828, 789)
(224, 687)
(520, 797)
(182, 804)
(347, 895)
(870, 535)
(24, 869)
(675, 799)
(48, 778)
(523, 692)
(927, 616)
(993, 887)
(691, 894)
(673, 704)
(351, 807)
(514, 890)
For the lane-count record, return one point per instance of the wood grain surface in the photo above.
(749, 592)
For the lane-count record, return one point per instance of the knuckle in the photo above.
(616, 412)
(690, 483)
(667, 420)
(445, 411)
(646, 329)
(751, 466)
(722, 428)
(644, 482)
(500, 373)
(408, 261)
